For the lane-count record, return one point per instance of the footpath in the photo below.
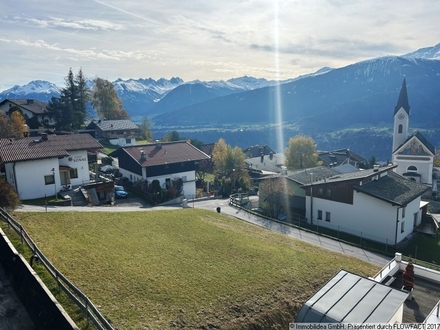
(225, 208)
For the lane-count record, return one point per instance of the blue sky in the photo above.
(204, 39)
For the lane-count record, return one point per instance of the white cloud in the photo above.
(207, 39)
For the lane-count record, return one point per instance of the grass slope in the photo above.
(184, 268)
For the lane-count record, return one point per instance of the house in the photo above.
(297, 179)
(380, 299)
(413, 155)
(29, 108)
(265, 164)
(118, 132)
(163, 161)
(376, 204)
(341, 157)
(258, 150)
(42, 166)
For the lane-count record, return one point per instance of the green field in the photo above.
(184, 268)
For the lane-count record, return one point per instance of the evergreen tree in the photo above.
(69, 110)
(106, 102)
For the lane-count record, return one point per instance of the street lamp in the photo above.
(55, 183)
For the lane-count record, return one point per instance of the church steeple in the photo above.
(402, 102)
(401, 118)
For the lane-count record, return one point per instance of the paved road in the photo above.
(212, 204)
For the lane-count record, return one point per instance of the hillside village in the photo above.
(341, 191)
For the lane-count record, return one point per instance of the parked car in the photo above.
(120, 192)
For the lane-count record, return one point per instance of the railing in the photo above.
(79, 298)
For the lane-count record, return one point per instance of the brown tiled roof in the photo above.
(167, 153)
(31, 148)
(34, 106)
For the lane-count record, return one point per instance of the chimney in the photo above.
(376, 167)
(271, 155)
(158, 144)
(143, 155)
(43, 136)
(29, 101)
(262, 157)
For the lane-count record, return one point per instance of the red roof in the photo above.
(31, 148)
(164, 153)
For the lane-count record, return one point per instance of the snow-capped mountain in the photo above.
(37, 89)
(428, 53)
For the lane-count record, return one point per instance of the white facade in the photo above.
(401, 123)
(123, 142)
(46, 177)
(415, 161)
(367, 217)
(188, 178)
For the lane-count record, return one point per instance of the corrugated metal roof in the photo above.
(351, 298)
(31, 148)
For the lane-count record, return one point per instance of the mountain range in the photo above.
(350, 107)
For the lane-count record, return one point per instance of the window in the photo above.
(412, 168)
(128, 141)
(319, 214)
(416, 216)
(168, 183)
(320, 191)
(329, 193)
(403, 212)
(49, 179)
(402, 226)
(327, 216)
(400, 128)
(74, 173)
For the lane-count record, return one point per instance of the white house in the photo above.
(375, 204)
(119, 132)
(163, 161)
(29, 108)
(42, 166)
(413, 155)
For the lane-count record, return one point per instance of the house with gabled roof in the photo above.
(341, 157)
(413, 155)
(42, 166)
(118, 132)
(162, 161)
(376, 204)
(29, 108)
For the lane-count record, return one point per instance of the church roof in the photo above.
(402, 102)
(422, 140)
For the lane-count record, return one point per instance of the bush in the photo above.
(8, 198)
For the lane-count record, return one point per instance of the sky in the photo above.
(204, 39)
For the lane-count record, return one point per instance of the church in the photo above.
(413, 154)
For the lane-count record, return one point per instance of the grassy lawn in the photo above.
(184, 268)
